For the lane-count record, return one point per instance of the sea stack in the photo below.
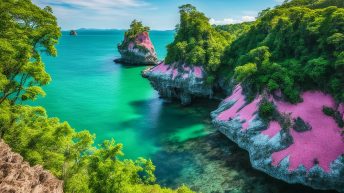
(73, 33)
(137, 48)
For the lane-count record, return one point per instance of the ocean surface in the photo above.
(93, 93)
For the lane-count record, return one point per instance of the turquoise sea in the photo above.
(91, 92)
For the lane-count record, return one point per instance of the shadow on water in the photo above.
(166, 121)
(205, 159)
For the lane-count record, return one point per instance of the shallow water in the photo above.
(112, 101)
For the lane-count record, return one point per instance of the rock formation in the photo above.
(139, 51)
(18, 176)
(73, 33)
(313, 157)
(179, 81)
(311, 154)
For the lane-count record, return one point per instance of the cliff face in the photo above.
(179, 81)
(313, 157)
(137, 52)
(17, 176)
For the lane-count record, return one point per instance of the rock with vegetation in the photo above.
(73, 33)
(137, 48)
(18, 176)
(297, 143)
(179, 81)
(287, 111)
(287, 108)
(192, 59)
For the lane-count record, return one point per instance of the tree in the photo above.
(25, 31)
(136, 28)
(242, 72)
(296, 46)
(196, 41)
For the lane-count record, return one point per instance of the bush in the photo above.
(300, 125)
(335, 115)
(267, 110)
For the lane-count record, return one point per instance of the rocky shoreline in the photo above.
(284, 154)
(180, 82)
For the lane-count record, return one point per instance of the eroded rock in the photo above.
(17, 176)
(179, 81)
(313, 157)
(139, 51)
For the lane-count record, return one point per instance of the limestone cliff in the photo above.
(313, 156)
(139, 51)
(179, 81)
(18, 176)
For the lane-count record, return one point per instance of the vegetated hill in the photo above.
(294, 47)
(313, 3)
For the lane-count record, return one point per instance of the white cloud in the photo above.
(92, 4)
(73, 14)
(248, 18)
(227, 21)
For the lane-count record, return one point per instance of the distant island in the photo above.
(73, 33)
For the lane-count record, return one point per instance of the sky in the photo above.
(157, 14)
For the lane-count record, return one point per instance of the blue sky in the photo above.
(158, 14)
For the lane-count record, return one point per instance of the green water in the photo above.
(112, 101)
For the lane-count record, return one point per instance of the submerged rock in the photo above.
(179, 81)
(18, 176)
(139, 51)
(313, 157)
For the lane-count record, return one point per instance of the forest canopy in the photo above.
(196, 41)
(294, 47)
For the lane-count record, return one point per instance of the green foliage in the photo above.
(335, 115)
(136, 28)
(297, 46)
(70, 156)
(242, 72)
(266, 110)
(301, 126)
(196, 41)
(313, 3)
(25, 31)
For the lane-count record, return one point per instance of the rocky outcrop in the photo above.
(139, 51)
(313, 157)
(179, 81)
(73, 33)
(304, 145)
(16, 176)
